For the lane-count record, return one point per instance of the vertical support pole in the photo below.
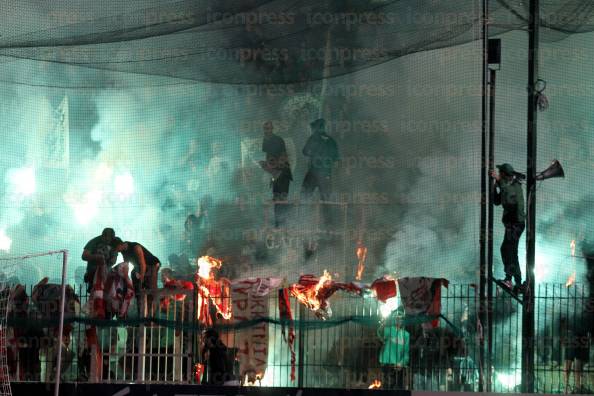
(93, 374)
(528, 305)
(301, 351)
(178, 344)
(326, 70)
(61, 324)
(192, 344)
(490, 216)
(141, 340)
(345, 240)
(483, 215)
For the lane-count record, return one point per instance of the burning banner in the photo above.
(314, 293)
(250, 303)
(422, 296)
(213, 295)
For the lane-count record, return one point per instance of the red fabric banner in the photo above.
(284, 306)
(384, 288)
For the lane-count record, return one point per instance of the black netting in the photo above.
(249, 42)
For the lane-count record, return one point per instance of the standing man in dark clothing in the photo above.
(277, 164)
(215, 354)
(322, 152)
(576, 343)
(146, 267)
(98, 251)
(508, 193)
(99, 254)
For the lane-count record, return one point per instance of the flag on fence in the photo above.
(119, 291)
(422, 296)
(250, 302)
(384, 288)
(286, 316)
(314, 292)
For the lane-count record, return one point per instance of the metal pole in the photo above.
(490, 216)
(301, 350)
(326, 70)
(483, 224)
(140, 369)
(528, 305)
(61, 324)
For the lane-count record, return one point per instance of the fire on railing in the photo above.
(376, 384)
(309, 296)
(361, 256)
(211, 290)
(571, 279)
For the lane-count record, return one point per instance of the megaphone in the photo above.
(554, 170)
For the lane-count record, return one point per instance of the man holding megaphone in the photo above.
(509, 194)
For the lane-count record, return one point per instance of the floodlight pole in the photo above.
(483, 215)
(528, 305)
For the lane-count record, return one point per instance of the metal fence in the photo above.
(341, 352)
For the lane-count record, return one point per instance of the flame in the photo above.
(376, 384)
(361, 255)
(323, 279)
(198, 371)
(252, 378)
(205, 266)
(570, 280)
(206, 281)
(309, 296)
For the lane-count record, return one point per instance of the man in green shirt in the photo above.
(509, 194)
(394, 355)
